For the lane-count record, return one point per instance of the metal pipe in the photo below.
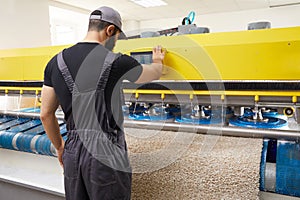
(193, 128)
(217, 130)
(26, 114)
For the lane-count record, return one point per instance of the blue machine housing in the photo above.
(285, 157)
(274, 120)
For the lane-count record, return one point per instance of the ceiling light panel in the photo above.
(149, 3)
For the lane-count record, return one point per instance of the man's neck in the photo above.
(94, 37)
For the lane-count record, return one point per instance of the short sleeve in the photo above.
(48, 72)
(128, 68)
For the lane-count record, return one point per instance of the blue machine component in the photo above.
(36, 130)
(28, 125)
(280, 167)
(23, 142)
(272, 120)
(27, 135)
(187, 118)
(5, 119)
(43, 146)
(6, 139)
(270, 123)
(12, 123)
(150, 118)
(265, 113)
(154, 113)
(133, 109)
(208, 116)
(31, 110)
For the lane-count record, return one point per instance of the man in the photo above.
(85, 80)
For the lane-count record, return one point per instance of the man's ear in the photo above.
(110, 30)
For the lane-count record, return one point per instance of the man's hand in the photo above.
(59, 153)
(158, 54)
(153, 71)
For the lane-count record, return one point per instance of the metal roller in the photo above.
(25, 115)
(217, 130)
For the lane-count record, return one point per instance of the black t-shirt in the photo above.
(123, 68)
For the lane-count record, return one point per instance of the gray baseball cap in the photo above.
(112, 16)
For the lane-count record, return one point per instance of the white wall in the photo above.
(67, 26)
(24, 23)
(235, 21)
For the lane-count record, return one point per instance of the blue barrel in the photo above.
(43, 146)
(6, 139)
(23, 142)
(280, 167)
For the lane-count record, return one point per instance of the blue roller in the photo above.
(175, 111)
(36, 130)
(12, 123)
(23, 142)
(43, 145)
(5, 119)
(211, 116)
(271, 123)
(133, 109)
(274, 114)
(248, 112)
(188, 119)
(63, 129)
(273, 120)
(31, 110)
(125, 110)
(146, 117)
(154, 114)
(6, 139)
(26, 126)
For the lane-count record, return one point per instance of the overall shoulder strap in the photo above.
(66, 73)
(110, 58)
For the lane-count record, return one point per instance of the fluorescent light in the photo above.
(149, 3)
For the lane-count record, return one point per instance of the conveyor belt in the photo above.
(27, 134)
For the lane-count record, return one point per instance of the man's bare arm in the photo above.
(153, 71)
(49, 120)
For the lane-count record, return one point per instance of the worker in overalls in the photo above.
(85, 80)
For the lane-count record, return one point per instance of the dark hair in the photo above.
(99, 25)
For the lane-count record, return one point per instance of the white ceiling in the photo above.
(175, 8)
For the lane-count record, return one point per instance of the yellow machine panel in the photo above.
(25, 64)
(270, 54)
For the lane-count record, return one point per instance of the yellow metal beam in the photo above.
(206, 92)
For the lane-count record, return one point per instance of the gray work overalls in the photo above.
(96, 165)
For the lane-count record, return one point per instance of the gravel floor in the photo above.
(185, 166)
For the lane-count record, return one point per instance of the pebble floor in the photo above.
(186, 166)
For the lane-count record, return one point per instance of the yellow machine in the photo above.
(247, 68)
(244, 68)
(242, 84)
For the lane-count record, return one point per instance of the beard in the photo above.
(110, 43)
